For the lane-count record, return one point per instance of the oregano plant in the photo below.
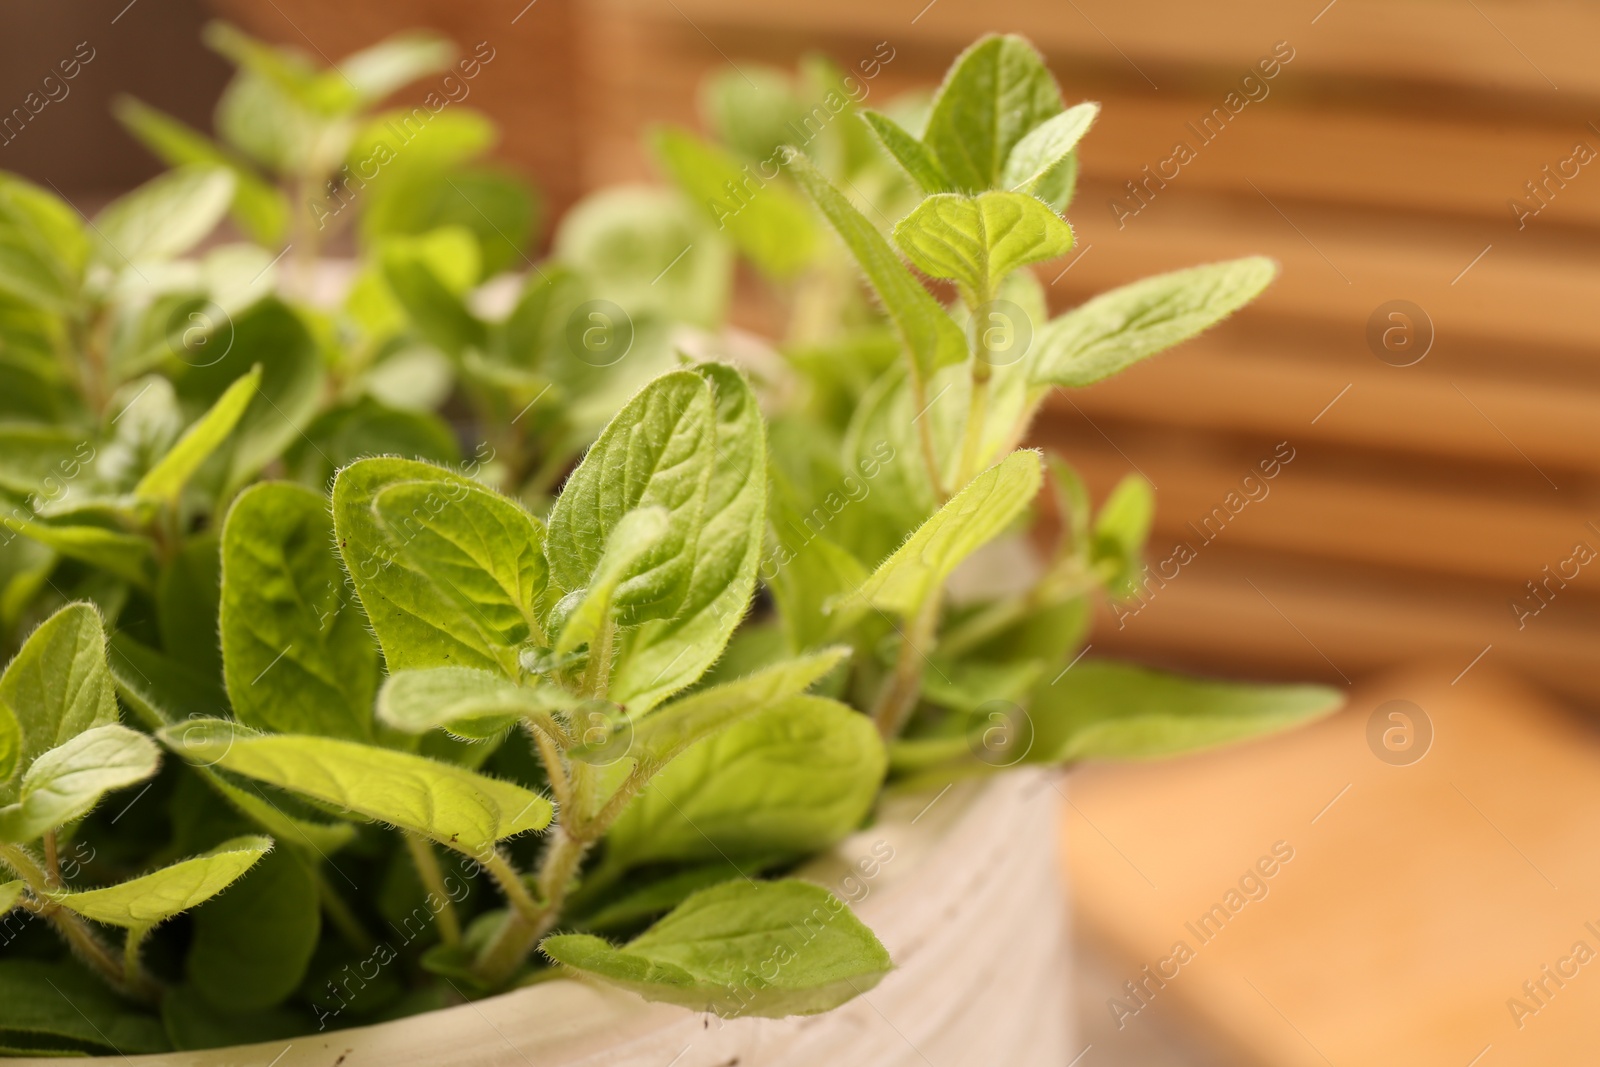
(309, 723)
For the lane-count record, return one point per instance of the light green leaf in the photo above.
(258, 207)
(996, 93)
(394, 139)
(1120, 531)
(749, 109)
(32, 453)
(164, 217)
(43, 246)
(1046, 148)
(657, 452)
(977, 241)
(661, 894)
(765, 219)
(649, 250)
(324, 93)
(932, 336)
(395, 62)
(662, 735)
(584, 612)
(252, 944)
(714, 951)
(124, 555)
(468, 703)
(452, 806)
(665, 655)
(976, 514)
(415, 620)
(1106, 710)
(495, 205)
(165, 481)
(1117, 329)
(10, 895)
(791, 779)
(482, 553)
(158, 896)
(439, 315)
(67, 782)
(58, 686)
(59, 1008)
(10, 742)
(295, 657)
(912, 155)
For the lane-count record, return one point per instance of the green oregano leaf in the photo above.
(164, 481)
(665, 655)
(467, 703)
(790, 779)
(981, 511)
(1117, 329)
(164, 217)
(657, 452)
(975, 241)
(741, 948)
(584, 612)
(59, 1008)
(1046, 149)
(296, 656)
(417, 621)
(767, 221)
(914, 157)
(158, 896)
(57, 687)
(996, 93)
(452, 806)
(1120, 531)
(67, 782)
(1106, 710)
(253, 944)
(482, 552)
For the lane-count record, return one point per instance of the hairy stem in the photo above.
(899, 694)
(52, 860)
(597, 672)
(426, 862)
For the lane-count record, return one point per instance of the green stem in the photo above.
(427, 865)
(138, 981)
(528, 920)
(899, 695)
(930, 454)
(597, 672)
(52, 860)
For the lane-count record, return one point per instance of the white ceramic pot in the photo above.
(964, 889)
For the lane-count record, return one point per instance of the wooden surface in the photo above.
(1418, 901)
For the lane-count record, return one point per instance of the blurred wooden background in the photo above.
(1422, 499)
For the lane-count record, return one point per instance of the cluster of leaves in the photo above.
(438, 745)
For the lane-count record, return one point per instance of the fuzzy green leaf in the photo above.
(457, 808)
(67, 782)
(977, 241)
(10, 895)
(663, 734)
(912, 155)
(165, 480)
(978, 513)
(1106, 710)
(790, 779)
(57, 687)
(258, 207)
(164, 217)
(665, 655)
(395, 62)
(467, 703)
(1046, 149)
(481, 550)
(417, 622)
(995, 94)
(926, 330)
(658, 451)
(158, 896)
(1117, 329)
(765, 219)
(296, 658)
(713, 952)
